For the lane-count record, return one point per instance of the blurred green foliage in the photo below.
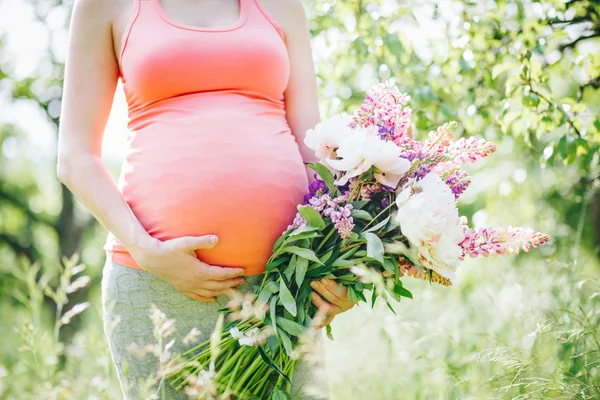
(522, 73)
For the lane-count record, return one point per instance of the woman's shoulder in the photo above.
(98, 9)
(290, 14)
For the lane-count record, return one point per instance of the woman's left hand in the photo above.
(333, 301)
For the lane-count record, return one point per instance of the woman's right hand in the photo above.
(175, 261)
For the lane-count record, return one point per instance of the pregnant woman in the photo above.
(220, 94)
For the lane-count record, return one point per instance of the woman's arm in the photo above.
(301, 97)
(91, 77)
(302, 107)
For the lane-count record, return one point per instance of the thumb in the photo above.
(191, 243)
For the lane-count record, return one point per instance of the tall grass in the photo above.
(520, 328)
(40, 365)
(529, 332)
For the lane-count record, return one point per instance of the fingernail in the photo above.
(214, 240)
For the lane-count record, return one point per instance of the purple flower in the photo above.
(458, 181)
(316, 188)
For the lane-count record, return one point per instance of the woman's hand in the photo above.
(335, 301)
(175, 261)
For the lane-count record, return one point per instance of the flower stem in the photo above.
(378, 215)
(325, 239)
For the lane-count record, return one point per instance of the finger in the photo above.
(191, 243)
(212, 272)
(325, 292)
(226, 284)
(195, 296)
(324, 306)
(340, 291)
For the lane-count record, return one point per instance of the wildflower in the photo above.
(382, 108)
(244, 307)
(316, 188)
(458, 181)
(499, 241)
(192, 336)
(297, 222)
(342, 220)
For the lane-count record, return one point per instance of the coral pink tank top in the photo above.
(210, 149)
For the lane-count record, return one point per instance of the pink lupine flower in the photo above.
(440, 140)
(500, 241)
(382, 108)
(458, 181)
(466, 150)
(471, 149)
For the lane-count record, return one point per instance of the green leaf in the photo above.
(291, 327)
(341, 263)
(379, 225)
(303, 229)
(328, 331)
(271, 287)
(388, 265)
(325, 257)
(311, 216)
(263, 298)
(563, 147)
(274, 264)
(273, 342)
(271, 363)
(273, 312)
(374, 246)
(325, 175)
(402, 291)
(287, 343)
(289, 270)
(280, 240)
(302, 252)
(357, 204)
(361, 214)
(278, 395)
(287, 299)
(301, 267)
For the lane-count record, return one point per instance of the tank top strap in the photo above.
(263, 13)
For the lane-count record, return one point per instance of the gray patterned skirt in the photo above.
(127, 296)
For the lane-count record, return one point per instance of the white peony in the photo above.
(365, 149)
(429, 220)
(325, 138)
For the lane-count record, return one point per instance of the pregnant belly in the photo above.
(240, 184)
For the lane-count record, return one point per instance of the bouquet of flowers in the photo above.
(382, 207)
